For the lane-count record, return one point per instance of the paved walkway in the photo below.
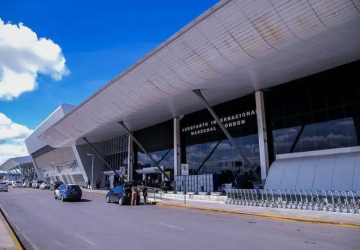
(6, 241)
(274, 213)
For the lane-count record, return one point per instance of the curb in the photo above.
(10, 230)
(269, 216)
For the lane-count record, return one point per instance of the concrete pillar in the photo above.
(130, 163)
(177, 149)
(38, 171)
(263, 145)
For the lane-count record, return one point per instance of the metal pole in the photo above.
(143, 149)
(92, 172)
(185, 191)
(214, 115)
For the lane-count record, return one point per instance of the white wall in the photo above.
(84, 161)
(33, 143)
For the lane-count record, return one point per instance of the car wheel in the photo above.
(121, 202)
(78, 199)
(107, 199)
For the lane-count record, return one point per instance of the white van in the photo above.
(3, 186)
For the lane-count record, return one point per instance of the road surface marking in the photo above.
(84, 239)
(171, 226)
(30, 241)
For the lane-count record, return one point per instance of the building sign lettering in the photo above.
(210, 126)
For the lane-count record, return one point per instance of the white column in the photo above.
(261, 124)
(38, 171)
(130, 159)
(177, 150)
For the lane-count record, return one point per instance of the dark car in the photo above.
(55, 185)
(68, 192)
(122, 194)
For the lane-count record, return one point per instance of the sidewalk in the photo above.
(318, 217)
(6, 236)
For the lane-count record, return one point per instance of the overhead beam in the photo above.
(102, 159)
(207, 157)
(297, 139)
(144, 150)
(163, 157)
(222, 127)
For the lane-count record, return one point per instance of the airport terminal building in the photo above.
(267, 88)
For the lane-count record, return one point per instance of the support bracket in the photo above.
(222, 127)
(144, 150)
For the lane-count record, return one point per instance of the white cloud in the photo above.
(12, 137)
(23, 57)
(221, 146)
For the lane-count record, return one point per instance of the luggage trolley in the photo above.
(354, 206)
(228, 196)
(337, 202)
(305, 200)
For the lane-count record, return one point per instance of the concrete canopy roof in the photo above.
(14, 162)
(231, 50)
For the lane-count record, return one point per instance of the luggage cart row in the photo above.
(325, 200)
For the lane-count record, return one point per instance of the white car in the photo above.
(45, 185)
(3, 186)
(16, 184)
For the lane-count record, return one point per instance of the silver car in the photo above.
(3, 186)
(17, 184)
(45, 185)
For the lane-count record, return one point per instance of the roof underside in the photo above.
(14, 162)
(233, 49)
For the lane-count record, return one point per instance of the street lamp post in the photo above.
(52, 164)
(92, 170)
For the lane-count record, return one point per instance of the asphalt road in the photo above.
(49, 224)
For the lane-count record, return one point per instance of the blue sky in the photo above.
(98, 39)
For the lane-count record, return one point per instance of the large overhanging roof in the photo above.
(14, 162)
(231, 50)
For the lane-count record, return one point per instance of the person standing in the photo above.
(145, 194)
(133, 195)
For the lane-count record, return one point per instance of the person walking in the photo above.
(133, 195)
(145, 194)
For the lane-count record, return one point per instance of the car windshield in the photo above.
(2, 183)
(74, 187)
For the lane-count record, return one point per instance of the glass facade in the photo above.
(158, 142)
(208, 151)
(317, 112)
(116, 152)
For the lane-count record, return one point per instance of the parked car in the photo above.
(121, 194)
(44, 185)
(55, 185)
(36, 184)
(17, 184)
(3, 186)
(68, 192)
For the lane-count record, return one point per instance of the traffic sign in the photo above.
(184, 169)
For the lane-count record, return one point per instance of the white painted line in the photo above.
(84, 239)
(17, 228)
(30, 242)
(171, 226)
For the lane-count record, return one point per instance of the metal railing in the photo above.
(318, 200)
